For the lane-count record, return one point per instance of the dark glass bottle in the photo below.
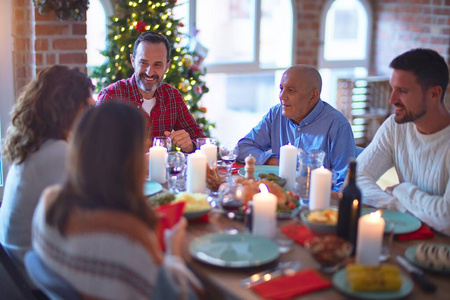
(349, 208)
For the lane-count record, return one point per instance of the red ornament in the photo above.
(140, 26)
(181, 24)
(198, 89)
(202, 109)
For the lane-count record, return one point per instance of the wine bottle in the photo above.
(349, 208)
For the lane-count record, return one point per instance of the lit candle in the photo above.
(320, 192)
(264, 213)
(196, 173)
(288, 165)
(157, 164)
(370, 238)
(210, 151)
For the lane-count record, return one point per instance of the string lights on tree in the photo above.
(186, 69)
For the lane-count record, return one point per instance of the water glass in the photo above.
(204, 141)
(175, 164)
(163, 141)
(228, 155)
(388, 237)
(308, 161)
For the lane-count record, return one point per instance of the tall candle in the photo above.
(264, 213)
(288, 165)
(210, 151)
(320, 191)
(370, 238)
(196, 173)
(157, 164)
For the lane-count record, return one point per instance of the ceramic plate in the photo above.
(410, 255)
(340, 282)
(151, 187)
(234, 250)
(196, 214)
(404, 223)
(263, 169)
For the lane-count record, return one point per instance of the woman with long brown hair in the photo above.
(96, 230)
(36, 146)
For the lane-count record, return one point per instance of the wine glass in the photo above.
(231, 198)
(228, 155)
(175, 164)
(163, 141)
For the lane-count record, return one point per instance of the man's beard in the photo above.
(142, 85)
(409, 116)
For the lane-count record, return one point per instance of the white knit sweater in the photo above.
(422, 163)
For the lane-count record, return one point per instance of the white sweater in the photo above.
(422, 163)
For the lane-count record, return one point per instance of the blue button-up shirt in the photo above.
(324, 128)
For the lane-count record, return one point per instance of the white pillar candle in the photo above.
(157, 164)
(320, 191)
(196, 173)
(288, 165)
(210, 151)
(264, 213)
(370, 238)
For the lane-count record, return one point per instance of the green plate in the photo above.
(404, 223)
(340, 282)
(234, 250)
(410, 254)
(151, 187)
(260, 169)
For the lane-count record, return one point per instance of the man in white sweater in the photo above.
(415, 140)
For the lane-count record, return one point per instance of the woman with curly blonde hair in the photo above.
(36, 145)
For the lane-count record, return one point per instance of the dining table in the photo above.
(225, 283)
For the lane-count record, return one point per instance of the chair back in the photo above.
(48, 281)
(13, 284)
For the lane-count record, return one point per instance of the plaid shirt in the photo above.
(170, 111)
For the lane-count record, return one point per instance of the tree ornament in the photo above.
(198, 89)
(140, 26)
(187, 60)
(185, 85)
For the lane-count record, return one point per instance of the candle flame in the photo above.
(376, 214)
(263, 188)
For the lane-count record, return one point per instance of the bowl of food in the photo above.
(330, 251)
(320, 222)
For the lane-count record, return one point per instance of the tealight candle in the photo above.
(320, 191)
(264, 213)
(370, 238)
(157, 164)
(288, 165)
(196, 173)
(210, 150)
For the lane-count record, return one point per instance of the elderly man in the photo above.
(415, 140)
(166, 112)
(303, 120)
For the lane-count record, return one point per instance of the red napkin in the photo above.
(299, 233)
(236, 166)
(202, 219)
(285, 287)
(169, 215)
(424, 232)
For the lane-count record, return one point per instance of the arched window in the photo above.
(346, 27)
(249, 44)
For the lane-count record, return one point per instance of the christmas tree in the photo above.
(136, 16)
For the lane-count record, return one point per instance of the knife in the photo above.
(417, 274)
(283, 268)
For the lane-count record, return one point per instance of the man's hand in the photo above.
(390, 189)
(181, 139)
(273, 161)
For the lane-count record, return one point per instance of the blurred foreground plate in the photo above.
(151, 187)
(234, 250)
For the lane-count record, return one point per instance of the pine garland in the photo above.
(64, 9)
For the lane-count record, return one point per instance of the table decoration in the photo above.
(370, 238)
(288, 165)
(298, 233)
(287, 287)
(157, 167)
(196, 173)
(264, 213)
(320, 191)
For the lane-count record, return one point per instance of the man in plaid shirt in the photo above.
(164, 108)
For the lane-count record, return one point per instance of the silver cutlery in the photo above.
(283, 268)
(417, 274)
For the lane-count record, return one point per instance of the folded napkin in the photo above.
(235, 167)
(285, 287)
(201, 219)
(297, 232)
(169, 215)
(424, 232)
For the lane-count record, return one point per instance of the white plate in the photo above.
(234, 250)
(151, 188)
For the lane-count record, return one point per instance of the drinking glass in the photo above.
(163, 141)
(208, 147)
(228, 155)
(175, 164)
(308, 161)
(204, 141)
(231, 198)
